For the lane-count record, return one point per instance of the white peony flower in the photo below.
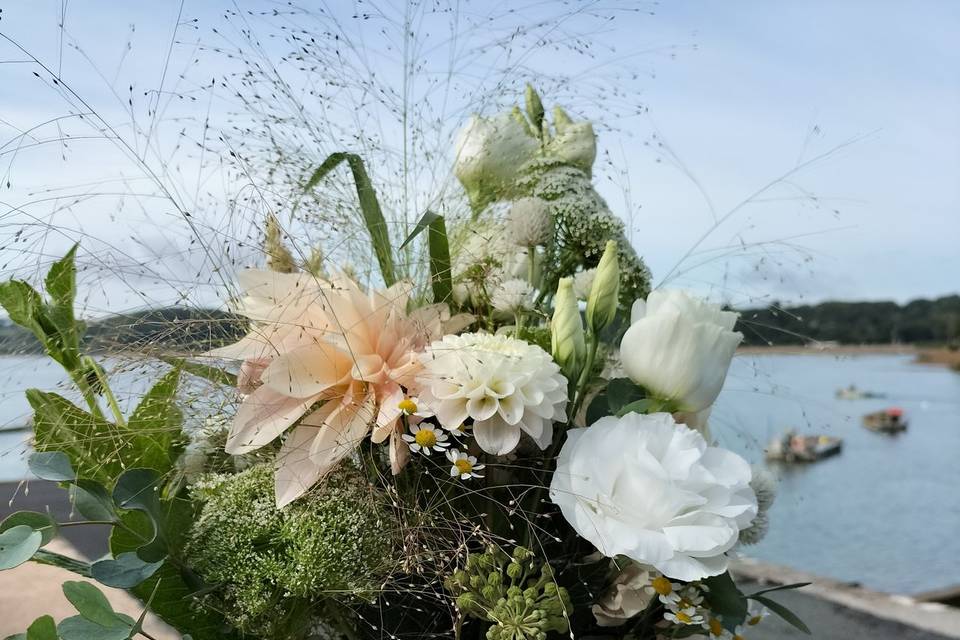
(529, 222)
(505, 385)
(512, 296)
(489, 153)
(679, 348)
(650, 489)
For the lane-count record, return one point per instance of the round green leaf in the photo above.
(52, 465)
(17, 545)
(37, 521)
(91, 603)
(43, 628)
(79, 628)
(92, 500)
(125, 571)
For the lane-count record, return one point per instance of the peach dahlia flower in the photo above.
(329, 358)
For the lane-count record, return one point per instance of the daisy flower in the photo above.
(756, 613)
(716, 629)
(463, 465)
(424, 438)
(668, 592)
(686, 616)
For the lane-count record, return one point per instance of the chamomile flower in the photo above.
(688, 616)
(755, 614)
(715, 629)
(662, 587)
(425, 438)
(463, 465)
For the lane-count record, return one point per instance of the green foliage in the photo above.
(17, 545)
(782, 611)
(101, 450)
(369, 208)
(41, 522)
(919, 321)
(726, 601)
(51, 465)
(438, 246)
(271, 567)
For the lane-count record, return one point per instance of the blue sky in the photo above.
(849, 111)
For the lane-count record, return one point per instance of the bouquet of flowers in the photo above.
(512, 446)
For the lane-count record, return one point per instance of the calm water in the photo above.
(885, 512)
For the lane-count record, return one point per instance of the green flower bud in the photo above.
(534, 108)
(560, 119)
(514, 570)
(567, 338)
(521, 553)
(605, 292)
(495, 579)
(490, 593)
(515, 592)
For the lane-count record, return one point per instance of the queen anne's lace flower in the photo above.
(650, 489)
(505, 385)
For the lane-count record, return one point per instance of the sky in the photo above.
(785, 151)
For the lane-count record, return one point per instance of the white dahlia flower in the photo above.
(679, 348)
(650, 489)
(506, 386)
(512, 296)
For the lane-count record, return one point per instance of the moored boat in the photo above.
(854, 393)
(796, 448)
(889, 420)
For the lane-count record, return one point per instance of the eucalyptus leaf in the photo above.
(37, 521)
(138, 489)
(17, 545)
(92, 500)
(783, 612)
(43, 628)
(125, 571)
(79, 628)
(91, 603)
(51, 465)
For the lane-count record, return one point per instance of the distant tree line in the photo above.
(166, 330)
(183, 330)
(917, 322)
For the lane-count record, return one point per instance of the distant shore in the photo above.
(924, 355)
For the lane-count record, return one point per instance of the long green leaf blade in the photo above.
(369, 207)
(439, 260)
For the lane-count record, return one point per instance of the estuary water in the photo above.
(884, 513)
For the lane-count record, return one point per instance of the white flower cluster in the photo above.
(505, 385)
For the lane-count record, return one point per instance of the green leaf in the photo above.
(94, 445)
(783, 612)
(726, 600)
(138, 489)
(61, 280)
(640, 406)
(79, 628)
(41, 522)
(17, 545)
(155, 423)
(21, 302)
(439, 261)
(369, 207)
(783, 587)
(91, 603)
(92, 500)
(125, 571)
(213, 374)
(621, 392)
(425, 221)
(43, 628)
(51, 465)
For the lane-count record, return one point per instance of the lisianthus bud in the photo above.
(605, 292)
(566, 328)
(529, 222)
(534, 107)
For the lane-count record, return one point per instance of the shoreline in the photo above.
(938, 356)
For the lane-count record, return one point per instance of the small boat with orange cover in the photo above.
(890, 420)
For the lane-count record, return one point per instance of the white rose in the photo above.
(661, 496)
(679, 348)
(489, 152)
